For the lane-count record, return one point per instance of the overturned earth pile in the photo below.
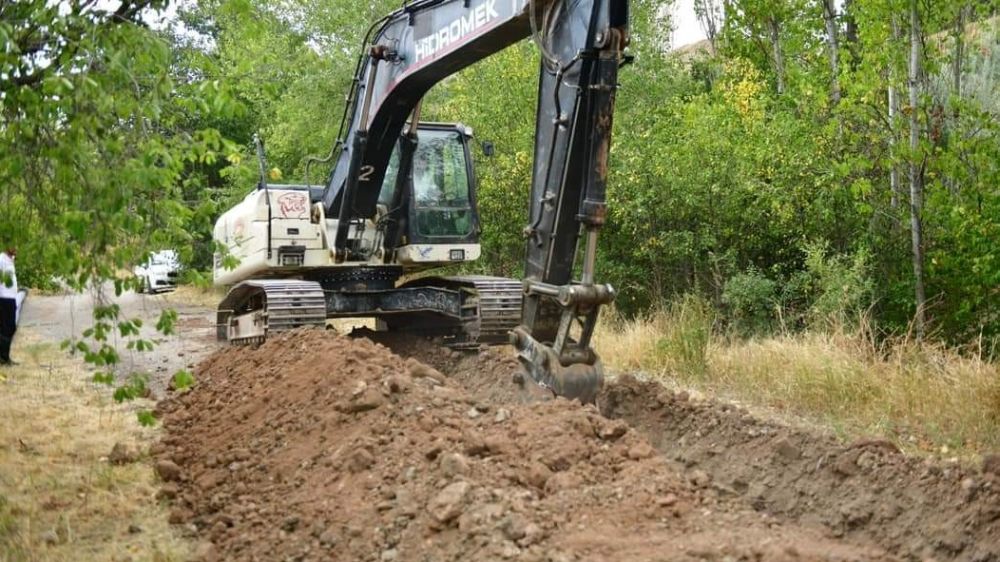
(318, 447)
(862, 490)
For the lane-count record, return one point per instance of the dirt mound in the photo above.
(491, 374)
(864, 490)
(319, 447)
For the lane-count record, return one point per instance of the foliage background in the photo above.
(760, 183)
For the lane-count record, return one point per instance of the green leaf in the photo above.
(183, 380)
(165, 324)
(146, 418)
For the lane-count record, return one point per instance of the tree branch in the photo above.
(126, 13)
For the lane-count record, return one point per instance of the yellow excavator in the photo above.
(401, 197)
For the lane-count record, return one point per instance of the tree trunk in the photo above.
(774, 30)
(893, 169)
(708, 15)
(960, 18)
(851, 33)
(832, 45)
(894, 132)
(916, 175)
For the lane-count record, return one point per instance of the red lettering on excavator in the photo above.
(292, 205)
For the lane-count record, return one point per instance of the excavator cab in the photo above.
(437, 214)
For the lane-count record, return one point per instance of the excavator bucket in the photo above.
(578, 380)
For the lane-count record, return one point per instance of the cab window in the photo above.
(441, 185)
(440, 180)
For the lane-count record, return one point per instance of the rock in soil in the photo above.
(122, 454)
(167, 491)
(449, 502)
(167, 470)
(991, 464)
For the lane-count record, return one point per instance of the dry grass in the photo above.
(59, 497)
(629, 345)
(190, 295)
(925, 398)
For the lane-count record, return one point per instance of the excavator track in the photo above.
(253, 309)
(498, 303)
(491, 308)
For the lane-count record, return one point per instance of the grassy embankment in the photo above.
(60, 498)
(926, 398)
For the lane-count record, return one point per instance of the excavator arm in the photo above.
(582, 46)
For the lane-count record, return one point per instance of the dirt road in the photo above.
(62, 316)
(316, 446)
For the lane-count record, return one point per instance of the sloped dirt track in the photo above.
(867, 489)
(322, 447)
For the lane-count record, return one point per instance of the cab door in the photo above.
(440, 206)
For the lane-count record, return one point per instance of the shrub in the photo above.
(841, 290)
(750, 304)
(686, 335)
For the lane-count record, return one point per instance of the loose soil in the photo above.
(865, 491)
(316, 446)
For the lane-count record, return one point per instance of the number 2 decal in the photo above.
(366, 173)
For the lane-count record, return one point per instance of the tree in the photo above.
(893, 111)
(916, 166)
(774, 35)
(778, 35)
(91, 159)
(833, 47)
(709, 14)
(95, 152)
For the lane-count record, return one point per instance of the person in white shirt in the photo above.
(8, 304)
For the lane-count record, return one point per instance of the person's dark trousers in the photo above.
(8, 325)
